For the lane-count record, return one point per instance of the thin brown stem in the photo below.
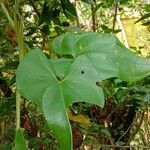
(93, 16)
(115, 15)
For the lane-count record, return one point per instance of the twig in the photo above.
(115, 15)
(93, 15)
(124, 133)
(137, 129)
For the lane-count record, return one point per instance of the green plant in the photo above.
(86, 60)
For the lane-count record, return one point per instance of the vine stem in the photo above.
(18, 28)
(18, 103)
(17, 25)
(115, 15)
(18, 96)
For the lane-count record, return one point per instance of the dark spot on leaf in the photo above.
(59, 78)
(82, 72)
(98, 83)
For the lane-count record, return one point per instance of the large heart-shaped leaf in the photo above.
(38, 81)
(55, 84)
(105, 54)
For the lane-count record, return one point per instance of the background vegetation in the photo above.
(124, 121)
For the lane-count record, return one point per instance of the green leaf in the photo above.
(55, 114)
(45, 15)
(98, 6)
(57, 83)
(58, 97)
(38, 81)
(69, 9)
(143, 17)
(146, 23)
(105, 53)
(20, 142)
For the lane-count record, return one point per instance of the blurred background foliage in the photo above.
(125, 119)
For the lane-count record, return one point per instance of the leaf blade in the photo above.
(56, 116)
(20, 143)
(35, 73)
(108, 55)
